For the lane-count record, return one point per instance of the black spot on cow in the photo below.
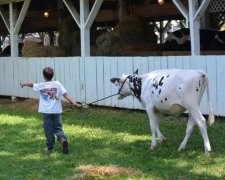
(155, 85)
(180, 88)
(168, 76)
(165, 99)
(152, 92)
(136, 88)
(197, 89)
(161, 101)
(159, 92)
(199, 83)
(160, 81)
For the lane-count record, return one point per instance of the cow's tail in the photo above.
(211, 117)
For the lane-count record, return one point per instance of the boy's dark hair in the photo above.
(48, 73)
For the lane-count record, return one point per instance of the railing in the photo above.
(88, 79)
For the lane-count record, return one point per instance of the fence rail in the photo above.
(88, 79)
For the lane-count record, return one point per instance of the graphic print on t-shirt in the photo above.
(49, 93)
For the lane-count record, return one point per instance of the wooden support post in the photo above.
(85, 33)
(93, 14)
(181, 8)
(21, 16)
(194, 19)
(194, 28)
(15, 25)
(73, 11)
(201, 9)
(84, 21)
(85, 44)
(13, 37)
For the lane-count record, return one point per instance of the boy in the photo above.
(51, 93)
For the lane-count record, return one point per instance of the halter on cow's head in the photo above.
(128, 85)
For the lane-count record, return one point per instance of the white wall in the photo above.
(88, 79)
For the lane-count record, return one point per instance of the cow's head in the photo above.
(124, 84)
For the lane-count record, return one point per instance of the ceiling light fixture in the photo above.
(160, 2)
(46, 14)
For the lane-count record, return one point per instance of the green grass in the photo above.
(106, 136)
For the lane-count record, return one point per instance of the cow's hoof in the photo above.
(207, 153)
(152, 147)
(165, 140)
(180, 149)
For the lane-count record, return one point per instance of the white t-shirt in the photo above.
(51, 93)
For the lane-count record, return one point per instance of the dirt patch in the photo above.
(85, 172)
(30, 105)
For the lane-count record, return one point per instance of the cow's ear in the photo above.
(136, 72)
(115, 80)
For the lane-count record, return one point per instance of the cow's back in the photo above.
(169, 88)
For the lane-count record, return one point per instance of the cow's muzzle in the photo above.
(115, 80)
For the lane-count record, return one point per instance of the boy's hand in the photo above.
(27, 84)
(21, 84)
(78, 105)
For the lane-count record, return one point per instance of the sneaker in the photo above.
(64, 146)
(49, 151)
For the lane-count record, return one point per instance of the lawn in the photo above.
(104, 137)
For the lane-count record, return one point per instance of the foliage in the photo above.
(102, 136)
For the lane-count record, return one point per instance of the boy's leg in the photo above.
(49, 131)
(59, 133)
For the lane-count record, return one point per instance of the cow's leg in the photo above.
(200, 121)
(190, 102)
(153, 118)
(190, 127)
(159, 134)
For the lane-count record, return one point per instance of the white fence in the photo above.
(88, 79)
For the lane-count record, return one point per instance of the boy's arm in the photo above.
(22, 84)
(68, 98)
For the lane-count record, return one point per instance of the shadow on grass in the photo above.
(114, 120)
(22, 155)
(164, 163)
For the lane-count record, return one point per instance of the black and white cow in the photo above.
(209, 40)
(178, 40)
(169, 91)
